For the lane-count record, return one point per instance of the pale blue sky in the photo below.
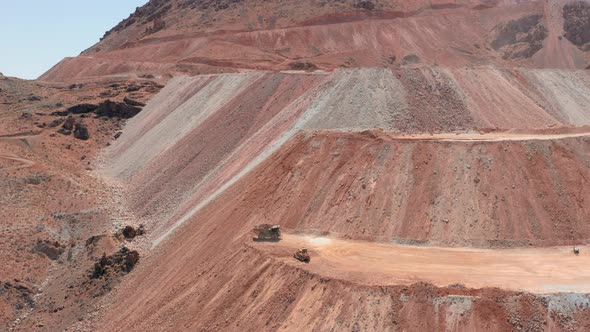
(37, 34)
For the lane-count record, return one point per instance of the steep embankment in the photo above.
(212, 156)
(393, 34)
(373, 188)
(215, 129)
(369, 186)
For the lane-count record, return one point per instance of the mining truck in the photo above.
(267, 233)
(302, 255)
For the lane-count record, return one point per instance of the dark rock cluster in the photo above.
(130, 232)
(367, 5)
(576, 24)
(107, 108)
(521, 38)
(121, 262)
(52, 249)
(303, 66)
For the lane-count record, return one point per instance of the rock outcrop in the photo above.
(107, 108)
(81, 131)
(521, 38)
(577, 24)
(52, 249)
(121, 262)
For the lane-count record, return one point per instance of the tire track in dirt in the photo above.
(25, 163)
(24, 135)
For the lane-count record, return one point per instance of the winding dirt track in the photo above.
(487, 137)
(24, 135)
(25, 163)
(537, 270)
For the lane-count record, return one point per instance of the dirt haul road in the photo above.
(487, 137)
(537, 270)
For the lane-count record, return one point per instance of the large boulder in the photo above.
(129, 232)
(81, 131)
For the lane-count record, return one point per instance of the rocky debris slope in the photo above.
(577, 23)
(15, 297)
(240, 120)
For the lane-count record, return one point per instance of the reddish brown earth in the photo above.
(51, 201)
(434, 156)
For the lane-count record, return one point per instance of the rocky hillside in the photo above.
(198, 37)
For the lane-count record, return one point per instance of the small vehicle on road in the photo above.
(302, 255)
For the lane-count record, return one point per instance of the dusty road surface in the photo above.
(489, 137)
(537, 270)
